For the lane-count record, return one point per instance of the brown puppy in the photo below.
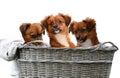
(32, 32)
(58, 32)
(85, 32)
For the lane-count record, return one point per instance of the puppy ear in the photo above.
(43, 28)
(90, 24)
(24, 27)
(44, 22)
(67, 18)
(43, 32)
(72, 27)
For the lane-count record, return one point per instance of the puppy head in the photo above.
(31, 32)
(82, 29)
(56, 24)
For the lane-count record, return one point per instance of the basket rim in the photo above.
(100, 47)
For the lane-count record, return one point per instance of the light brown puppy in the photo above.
(57, 29)
(85, 32)
(32, 32)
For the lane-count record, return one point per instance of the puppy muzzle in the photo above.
(56, 29)
(81, 40)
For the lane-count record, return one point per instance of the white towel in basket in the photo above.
(8, 48)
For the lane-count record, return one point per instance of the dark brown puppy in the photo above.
(85, 32)
(32, 32)
(58, 32)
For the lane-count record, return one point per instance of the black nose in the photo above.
(78, 38)
(55, 26)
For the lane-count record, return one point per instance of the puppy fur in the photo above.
(32, 32)
(85, 32)
(58, 31)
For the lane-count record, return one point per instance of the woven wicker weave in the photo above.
(92, 62)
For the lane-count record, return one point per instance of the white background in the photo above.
(105, 12)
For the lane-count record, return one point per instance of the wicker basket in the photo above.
(91, 62)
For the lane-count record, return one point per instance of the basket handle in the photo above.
(109, 43)
(102, 44)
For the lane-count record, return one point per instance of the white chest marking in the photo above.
(87, 43)
(62, 39)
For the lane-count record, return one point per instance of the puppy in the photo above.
(58, 31)
(85, 32)
(32, 32)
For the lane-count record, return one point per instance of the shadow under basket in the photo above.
(90, 62)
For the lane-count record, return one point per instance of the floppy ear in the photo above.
(72, 27)
(24, 27)
(67, 18)
(90, 24)
(44, 22)
(43, 29)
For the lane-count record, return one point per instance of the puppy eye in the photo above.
(52, 23)
(83, 30)
(39, 34)
(59, 21)
(34, 36)
(76, 32)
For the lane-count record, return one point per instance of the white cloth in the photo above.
(8, 48)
